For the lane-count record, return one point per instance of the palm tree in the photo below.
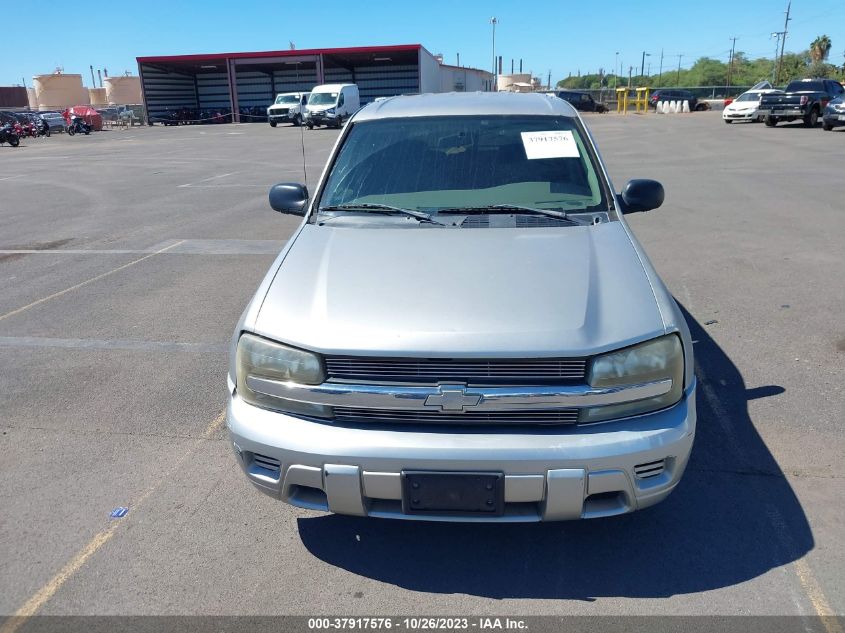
(820, 48)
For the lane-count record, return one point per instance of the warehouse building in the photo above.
(239, 82)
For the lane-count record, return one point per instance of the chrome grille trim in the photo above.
(520, 371)
(538, 417)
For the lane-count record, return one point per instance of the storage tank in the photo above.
(506, 82)
(122, 90)
(97, 96)
(58, 91)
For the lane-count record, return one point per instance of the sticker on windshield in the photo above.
(554, 144)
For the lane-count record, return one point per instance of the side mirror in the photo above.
(289, 197)
(642, 195)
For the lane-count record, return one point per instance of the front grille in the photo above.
(651, 469)
(512, 371)
(470, 418)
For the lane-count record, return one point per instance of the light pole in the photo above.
(616, 71)
(660, 77)
(494, 22)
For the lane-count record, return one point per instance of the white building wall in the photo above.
(429, 72)
(459, 79)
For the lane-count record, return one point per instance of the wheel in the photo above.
(272, 124)
(86, 130)
(812, 119)
(310, 125)
(827, 127)
(14, 141)
(728, 121)
(339, 123)
(47, 132)
(297, 120)
(71, 130)
(770, 121)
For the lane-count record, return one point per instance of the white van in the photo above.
(288, 107)
(331, 105)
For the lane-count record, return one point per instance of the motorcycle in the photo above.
(78, 124)
(8, 135)
(42, 128)
(26, 129)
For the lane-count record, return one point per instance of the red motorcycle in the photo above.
(26, 129)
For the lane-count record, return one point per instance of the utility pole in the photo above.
(678, 82)
(630, 70)
(494, 22)
(660, 78)
(783, 41)
(550, 78)
(642, 64)
(730, 64)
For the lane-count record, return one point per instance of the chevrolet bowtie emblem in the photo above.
(452, 398)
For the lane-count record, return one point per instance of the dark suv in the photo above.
(582, 101)
(673, 94)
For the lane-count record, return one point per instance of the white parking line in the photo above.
(10, 177)
(190, 184)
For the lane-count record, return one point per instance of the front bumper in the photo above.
(834, 119)
(279, 118)
(741, 115)
(321, 119)
(550, 474)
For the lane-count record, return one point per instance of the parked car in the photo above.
(331, 105)
(803, 99)
(289, 107)
(582, 101)
(673, 94)
(834, 114)
(746, 106)
(54, 120)
(463, 327)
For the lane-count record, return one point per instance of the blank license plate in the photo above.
(461, 493)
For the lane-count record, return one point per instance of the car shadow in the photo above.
(732, 518)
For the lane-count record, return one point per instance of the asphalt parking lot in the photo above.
(126, 258)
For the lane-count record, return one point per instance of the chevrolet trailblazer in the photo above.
(463, 327)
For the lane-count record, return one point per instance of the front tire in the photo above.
(812, 119)
(770, 121)
(71, 130)
(14, 141)
(728, 121)
(272, 124)
(310, 125)
(827, 127)
(297, 120)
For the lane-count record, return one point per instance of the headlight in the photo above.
(659, 359)
(330, 111)
(260, 358)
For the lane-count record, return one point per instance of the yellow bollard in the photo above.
(642, 100)
(622, 100)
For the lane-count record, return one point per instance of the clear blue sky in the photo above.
(558, 35)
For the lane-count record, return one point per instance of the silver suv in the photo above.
(464, 327)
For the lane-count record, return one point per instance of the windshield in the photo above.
(749, 96)
(432, 163)
(322, 98)
(287, 99)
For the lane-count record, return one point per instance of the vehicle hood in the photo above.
(461, 292)
(742, 106)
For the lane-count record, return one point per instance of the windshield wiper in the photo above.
(382, 208)
(506, 208)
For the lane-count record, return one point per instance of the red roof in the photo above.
(286, 53)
